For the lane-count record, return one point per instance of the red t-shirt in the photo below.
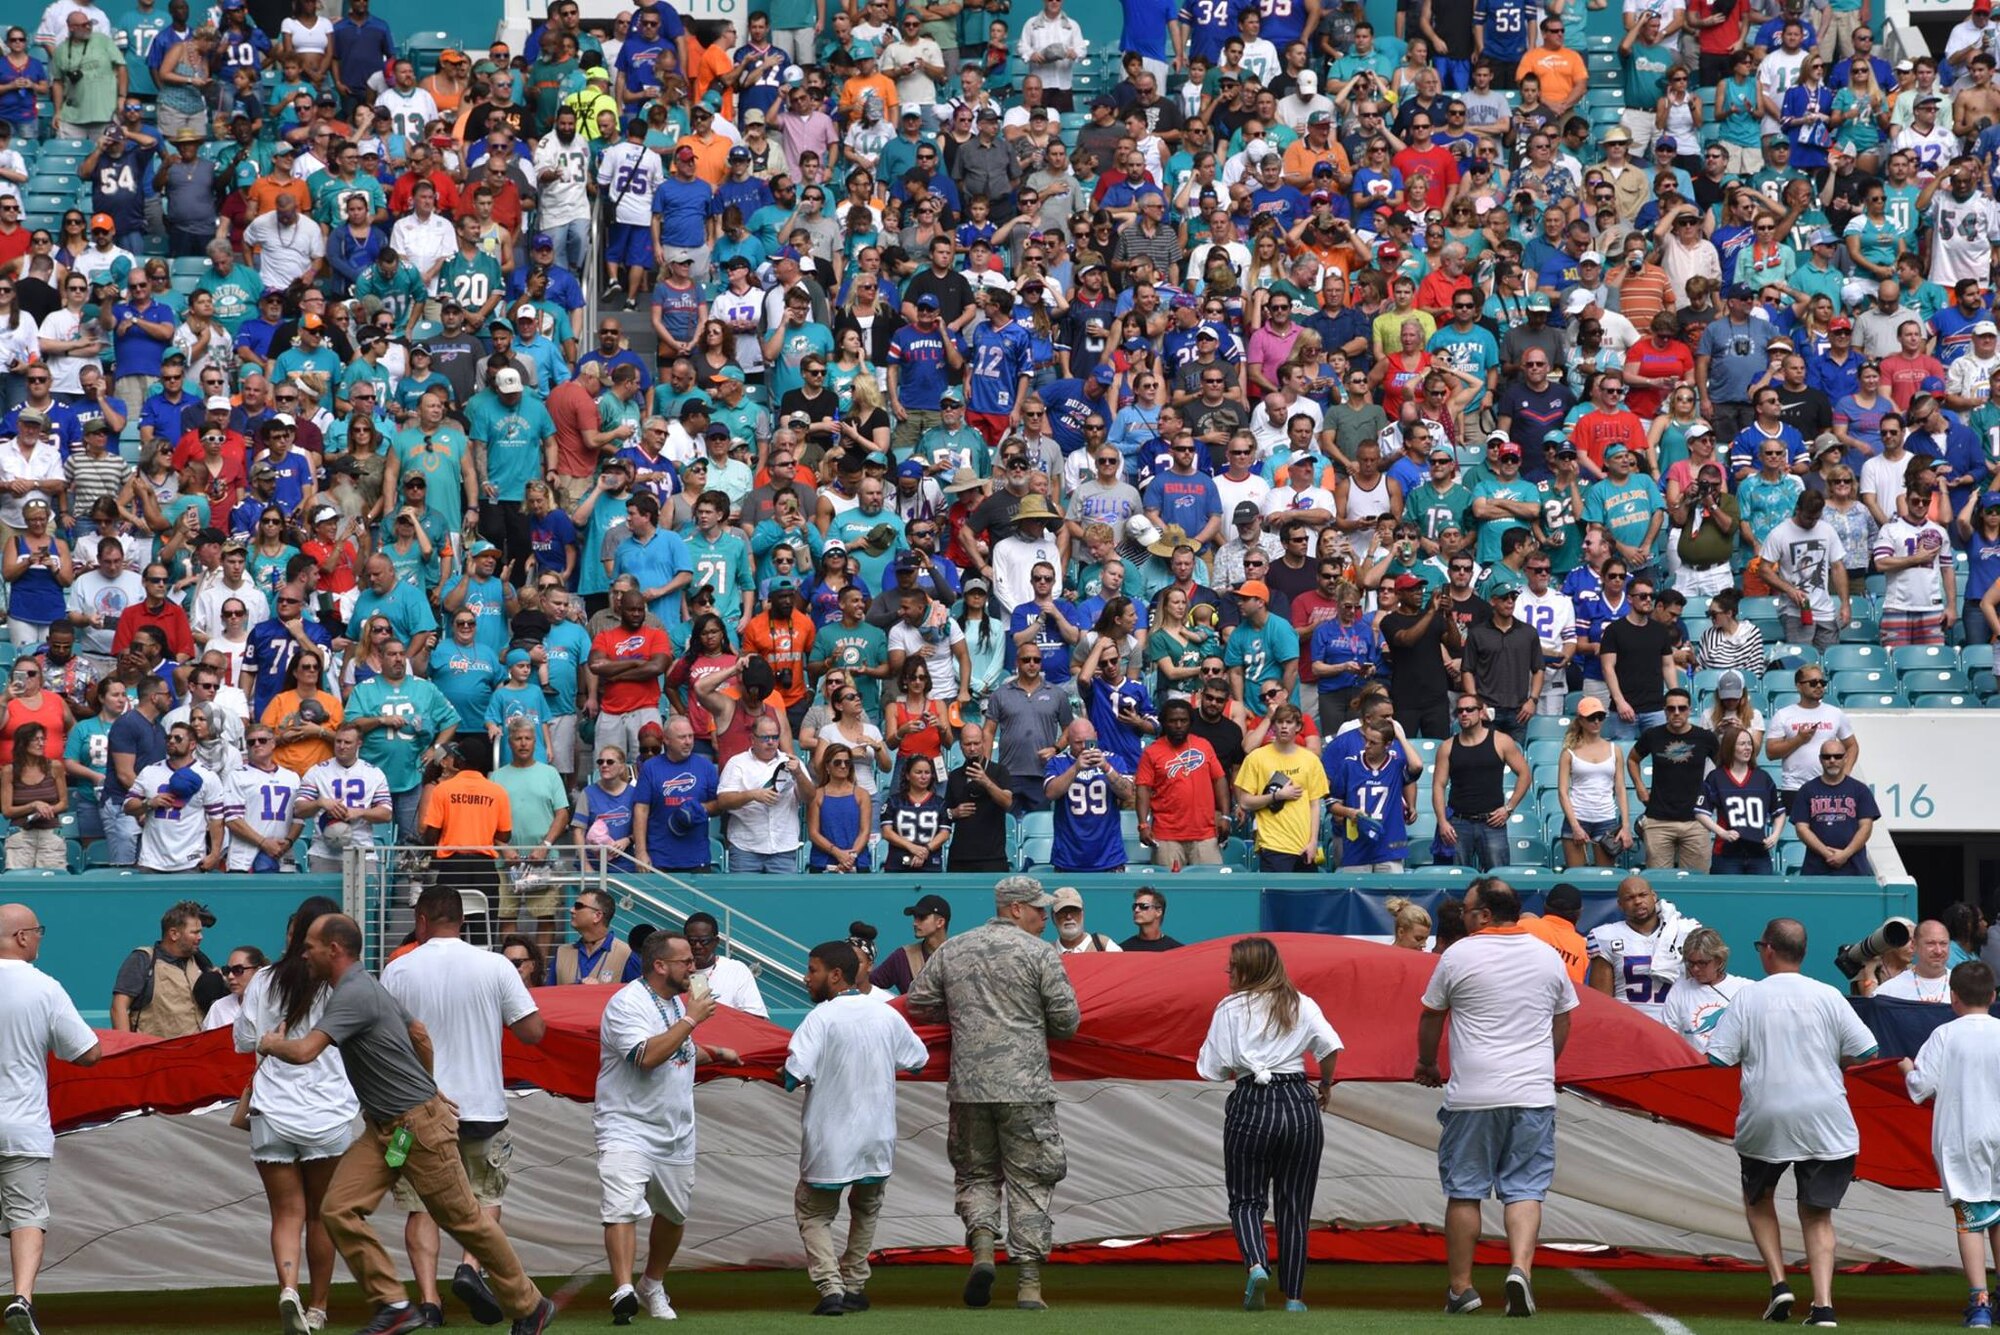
(1596, 430)
(1182, 780)
(1648, 360)
(632, 693)
(13, 245)
(1903, 377)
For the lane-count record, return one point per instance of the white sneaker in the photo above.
(292, 1313)
(654, 1294)
(315, 1319)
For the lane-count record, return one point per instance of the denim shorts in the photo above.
(1508, 1153)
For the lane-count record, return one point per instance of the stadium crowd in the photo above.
(1032, 427)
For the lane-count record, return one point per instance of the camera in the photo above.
(1853, 957)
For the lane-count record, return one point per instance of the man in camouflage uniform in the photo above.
(1003, 991)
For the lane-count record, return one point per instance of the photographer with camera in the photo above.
(1705, 518)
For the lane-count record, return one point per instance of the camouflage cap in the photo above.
(1021, 890)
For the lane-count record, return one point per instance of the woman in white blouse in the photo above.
(1271, 1131)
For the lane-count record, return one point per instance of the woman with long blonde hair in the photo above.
(1271, 1132)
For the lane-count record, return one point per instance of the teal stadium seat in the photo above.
(1936, 681)
(1884, 700)
(1919, 657)
(1855, 658)
(1862, 682)
(1946, 702)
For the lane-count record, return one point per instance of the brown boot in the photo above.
(1028, 1290)
(979, 1283)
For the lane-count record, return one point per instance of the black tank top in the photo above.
(1475, 777)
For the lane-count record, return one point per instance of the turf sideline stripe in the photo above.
(1665, 1324)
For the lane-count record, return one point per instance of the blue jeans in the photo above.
(409, 810)
(121, 833)
(570, 238)
(1742, 864)
(1617, 729)
(1480, 846)
(742, 862)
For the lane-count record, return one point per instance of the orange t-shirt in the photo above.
(711, 159)
(713, 64)
(878, 84)
(283, 711)
(1560, 71)
(262, 194)
(1567, 941)
(785, 648)
(470, 812)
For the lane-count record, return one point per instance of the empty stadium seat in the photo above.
(1037, 841)
(1921, 657)
(1975, 658)
(1884, 700)
(1946, 702)
(1844, 684)
(1855, 658)
(1930, 681)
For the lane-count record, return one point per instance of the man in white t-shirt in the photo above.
(1929, 976)
(1805, 563)
(1792, 1036)
(643, 1117)
(181, 806)
(464, 996)
(1508, 998)
(846, 1054)
(1959, 1068)
(36, 1018)
(100, 596)
(1637, 960)
(729, 981)
(1920, 597)
(1796, 732)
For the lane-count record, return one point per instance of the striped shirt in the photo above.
(1743, 650)
(94, 477)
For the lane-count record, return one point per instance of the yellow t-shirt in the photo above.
(1296, 824)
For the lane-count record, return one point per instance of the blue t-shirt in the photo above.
(467, 674)
(1189, 500)
(1055, 649)
(665, 784)
(654, 563)
(922, 373)
(568, 648)
(1834, 812)
(683, 208)
(1089, 831)
(133, 734)
(551, 537)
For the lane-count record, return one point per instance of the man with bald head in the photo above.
(1792, 1036)
(41, 1019)
(1929, 976)
(1834, 814)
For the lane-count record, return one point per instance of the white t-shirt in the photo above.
(1694, 1009)
(285, 251)
(1883, 479)
(308, 38)
(1958, 1069)
(935, 647)
(108, 598)
(1822, 721)
(1917, 588)
(733, 985)
(464, 996)
(1910, 986)
(1806, 558)
(264, 803)
(648, 1111)
(1309, 498)
(847, 1052)
(36, 1018)
(208, 605)
(1503, 989)
(1014, 561)
(1240, 1041)
(360, 787)
(1788, 1033)
(176, 839)
(1644, 965)
(301, 1103)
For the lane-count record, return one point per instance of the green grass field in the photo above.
(1101, 1300)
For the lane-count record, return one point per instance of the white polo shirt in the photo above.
(1502, 989)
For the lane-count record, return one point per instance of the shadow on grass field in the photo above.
(1096, 1300)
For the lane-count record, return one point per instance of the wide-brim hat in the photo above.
(1170, 537)
(1034, 506)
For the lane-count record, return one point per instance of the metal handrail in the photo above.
(380, 884)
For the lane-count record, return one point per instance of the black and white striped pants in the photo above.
(1271, 1141)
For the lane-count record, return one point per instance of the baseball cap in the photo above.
(909, 468)
(1254, 588)
(1840, 324)
(217, 403)
(1067, 897)
(507, 380)
(1021, 890)
(1408, 582)
(101, 222)
(1666, 143)
(1246, 512)
(928, 905)
(543, 241)
(1985, 327)
(1442, 451)
(1537, 301)
(1106, 373)
(1729, 686)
